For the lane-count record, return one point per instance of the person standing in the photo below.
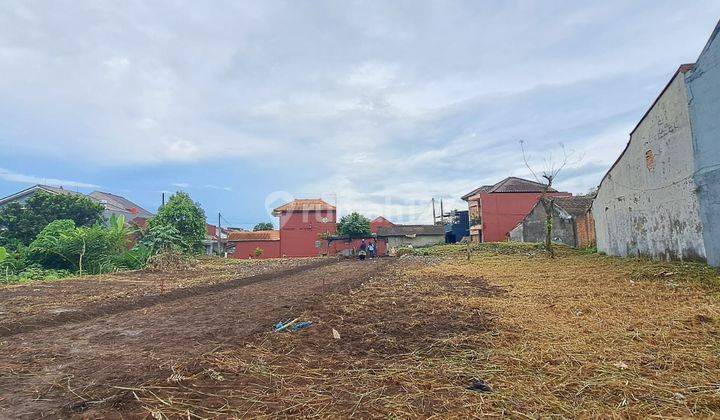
(371, 249)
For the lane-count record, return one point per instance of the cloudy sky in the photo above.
(375, 106)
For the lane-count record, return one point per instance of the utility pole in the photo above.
(163, 199)
(434, 217)
(442, 215)
(219, 236)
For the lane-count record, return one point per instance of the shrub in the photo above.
(163, 238)
(258, 252)
(62, 245)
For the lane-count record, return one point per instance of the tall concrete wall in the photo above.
(704, 94)
(532, 227)
(647, 202)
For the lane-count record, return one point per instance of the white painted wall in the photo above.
(653, 212)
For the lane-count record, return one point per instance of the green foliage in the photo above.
(258, 252)
(34, 272)
(263, 226)
(187, 217)
(162, 238)
(133, 259)
(3, 254)
(62, 245)
(21, 223)
(354, 225)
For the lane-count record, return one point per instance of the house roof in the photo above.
(484, 188)
(260, 235)
(411, 230)
(116, 203)
(381, 219)
(518, 185)
(304, 204)
(510, 184)
(39, 187)
(575, 206)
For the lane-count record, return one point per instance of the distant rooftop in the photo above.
(510, 185)
(304, 204)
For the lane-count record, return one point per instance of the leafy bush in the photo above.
(62, 245)
(187, 217)
(258, 252)
(133, 259)
(163, 238)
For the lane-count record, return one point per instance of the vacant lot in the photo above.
(67, 366)
(509, 332)
(581, 335)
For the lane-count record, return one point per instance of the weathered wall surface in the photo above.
(585, 230)
(704, 94)
(647, 203)
(420, 240)
(532, 228)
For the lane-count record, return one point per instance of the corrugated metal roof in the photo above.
(405, 230)
(261, 235)
(305, 204)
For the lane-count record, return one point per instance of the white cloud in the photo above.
(393, 103)
(12, 176)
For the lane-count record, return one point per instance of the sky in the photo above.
(375, 106)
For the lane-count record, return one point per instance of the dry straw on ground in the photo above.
(577, 336)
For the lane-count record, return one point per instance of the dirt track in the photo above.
(58, 370)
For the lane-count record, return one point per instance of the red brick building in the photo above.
(494, 210)
(304, 225)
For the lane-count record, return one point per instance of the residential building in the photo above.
(113, 204)
(303, 223)
(661, 198)
(379, 222)
(119, 206)
(398, 236)
(494, 210)
(572, 223)
(23, 195)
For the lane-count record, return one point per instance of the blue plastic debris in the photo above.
(300, 326)
(292, 325)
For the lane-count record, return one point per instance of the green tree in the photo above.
(354, 225)
(21, 223)
(184, 215)
(263, 226)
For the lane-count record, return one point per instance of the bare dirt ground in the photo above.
(75, 368)
(37, 304)
(508, 333)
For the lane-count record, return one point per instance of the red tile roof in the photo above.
(306, 204)
(261, 235)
